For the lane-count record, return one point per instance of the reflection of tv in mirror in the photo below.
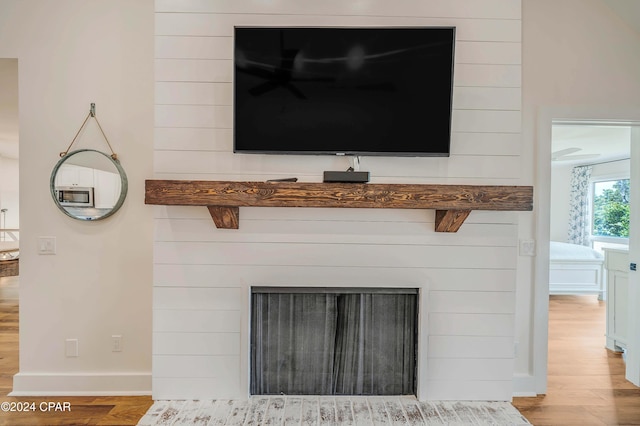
(360, 91)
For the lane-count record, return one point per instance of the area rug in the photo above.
(288, 410)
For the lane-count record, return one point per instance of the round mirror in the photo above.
(88, 185)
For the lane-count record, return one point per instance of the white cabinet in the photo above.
(70, 175)
(617, 265)
(106, 185)
(107, 189)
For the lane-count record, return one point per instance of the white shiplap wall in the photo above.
(203, 275)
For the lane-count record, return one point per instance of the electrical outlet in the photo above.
(116, 343)
(71, 347)
(527, 248)
(46, 245)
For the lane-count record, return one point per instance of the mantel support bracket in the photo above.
(225, 217)
(450, 220)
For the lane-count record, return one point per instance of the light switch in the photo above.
(71, 347)
(46, 245)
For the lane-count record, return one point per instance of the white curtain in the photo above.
(579, 211)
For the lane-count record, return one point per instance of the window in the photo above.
(610, 209)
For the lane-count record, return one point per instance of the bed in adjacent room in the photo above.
(575, 269)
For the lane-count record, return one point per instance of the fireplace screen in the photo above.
(312, 341)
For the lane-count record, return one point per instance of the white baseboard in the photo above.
(81, 384)
(524, 385)
(119, 384)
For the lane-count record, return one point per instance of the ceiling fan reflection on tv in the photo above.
(567, 155)
(295, 66)
(276, 76)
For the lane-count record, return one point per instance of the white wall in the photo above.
(577, 56)
(590, 59)
(71, 53)
(9, 187)
(611, 170)
(203, 275)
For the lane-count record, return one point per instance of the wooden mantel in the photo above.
(452, 203)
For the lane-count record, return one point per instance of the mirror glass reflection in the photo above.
(88, 185)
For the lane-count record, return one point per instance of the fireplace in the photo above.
(333, 341)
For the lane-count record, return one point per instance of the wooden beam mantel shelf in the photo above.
(452, 203)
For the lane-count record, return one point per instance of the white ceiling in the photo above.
(604, 142)
(589, 139)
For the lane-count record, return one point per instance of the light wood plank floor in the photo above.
(586, 382)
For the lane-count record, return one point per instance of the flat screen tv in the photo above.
(343, 91)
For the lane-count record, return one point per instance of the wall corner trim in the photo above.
(524, 385)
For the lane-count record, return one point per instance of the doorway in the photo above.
(546, 119)
(9, 220)
(589, 234)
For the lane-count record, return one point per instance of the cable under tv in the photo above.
(346, 177)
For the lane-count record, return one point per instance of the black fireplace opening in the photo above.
(333, 341)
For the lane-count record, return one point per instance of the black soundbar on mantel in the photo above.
(346, 177)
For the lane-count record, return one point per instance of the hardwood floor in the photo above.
(586, 382)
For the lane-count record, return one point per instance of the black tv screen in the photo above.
(352, 91)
